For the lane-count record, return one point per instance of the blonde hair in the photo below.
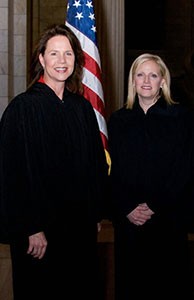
(165, 90)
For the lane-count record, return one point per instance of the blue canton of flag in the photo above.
(81, 16)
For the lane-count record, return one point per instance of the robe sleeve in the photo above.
(20, 171)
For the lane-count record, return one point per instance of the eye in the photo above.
(154, 76)
(139, 74)
(69, 53)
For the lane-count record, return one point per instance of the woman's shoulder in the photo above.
(119, 120)
(180, 109)
(120, 114)
(22, 102)
(15, 102)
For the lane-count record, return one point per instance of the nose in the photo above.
(62, 58)
(146, 78)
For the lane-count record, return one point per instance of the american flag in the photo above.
(81, 19)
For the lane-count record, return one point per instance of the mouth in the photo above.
(60, 69)
(146, 87)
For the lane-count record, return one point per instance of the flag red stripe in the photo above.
(95, 100)
(92, 66)
(104, 140)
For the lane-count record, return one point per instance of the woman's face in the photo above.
(148, 80)
(58, 60)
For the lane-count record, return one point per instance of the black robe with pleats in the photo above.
(53, 175)
(152, 161)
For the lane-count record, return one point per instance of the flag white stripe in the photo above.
(101, 123)
(91, 81)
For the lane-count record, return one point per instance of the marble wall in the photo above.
(13, 15)
(3, 54)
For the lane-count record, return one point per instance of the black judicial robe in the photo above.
(152, 161)
(52, 178)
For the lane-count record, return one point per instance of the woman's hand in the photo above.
(37, 245)
(140, 214)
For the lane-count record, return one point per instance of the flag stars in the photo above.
(93, 28)
(77, 3)
(89, 4)
(91, 16)
(79, 16)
